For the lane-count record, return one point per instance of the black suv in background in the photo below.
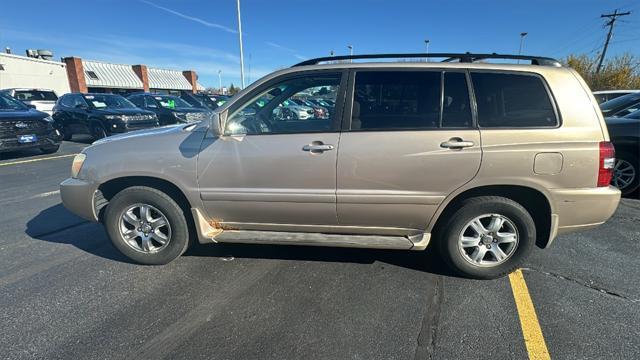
(201, 100)
(170, 109)
(621, 106)
(99, 115)
(625, 136)
(22, 127)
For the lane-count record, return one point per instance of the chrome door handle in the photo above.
(317, 147)
(456, 143)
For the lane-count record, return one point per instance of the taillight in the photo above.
(606, 163)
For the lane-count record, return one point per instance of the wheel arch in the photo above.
(107, 190)
(533, 200)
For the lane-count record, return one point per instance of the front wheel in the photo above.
(147, 225)
(487, 237)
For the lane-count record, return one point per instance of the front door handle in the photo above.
(317, 147)
(456, 143)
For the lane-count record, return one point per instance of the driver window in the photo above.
(299, 105)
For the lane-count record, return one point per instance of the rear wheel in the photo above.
(487, 237)
(147, 225)
(625, 173)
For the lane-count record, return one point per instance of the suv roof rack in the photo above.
(449, 57)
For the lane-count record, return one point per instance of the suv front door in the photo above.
(410, 140)
(275, 172)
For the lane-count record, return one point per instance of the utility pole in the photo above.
(522, 35)
(350, 52)
(426, 42)
(220, 80)
(241, 54)
(612, 20)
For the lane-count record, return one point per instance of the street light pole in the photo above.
(350, 52)
(427, 41)
(522, 35)
(220, 81)
(241, 53)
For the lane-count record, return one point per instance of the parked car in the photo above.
(621, 106)
(625, 135)
(319, 112)
(290, 110)
(606, 95)
(200, 100)
(99, 115)
(170, 109)
(40, 99)
(219, 99)
(399, 165)
(22, 127)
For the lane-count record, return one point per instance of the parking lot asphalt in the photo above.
(65, 292)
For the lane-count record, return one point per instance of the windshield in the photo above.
(35, 95)
(204, 99)
(633, 115)
(618, 102)
(171, 102)
(8, 103)
(109, 102)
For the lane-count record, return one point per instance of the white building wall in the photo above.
(23, 72)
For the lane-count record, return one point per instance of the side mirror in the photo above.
(216, 123)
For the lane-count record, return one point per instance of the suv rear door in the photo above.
(272, 173)
(409, 140)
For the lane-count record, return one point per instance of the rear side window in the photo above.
(512, 100)
(410, 100)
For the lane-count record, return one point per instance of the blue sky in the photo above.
(201, 34)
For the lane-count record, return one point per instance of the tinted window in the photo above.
(137, 101)
(35, 95)
(67, 100)
(456, 108)
(512, 100)
(396, 100)
(9, 103)
(109, 102)
(274, 110)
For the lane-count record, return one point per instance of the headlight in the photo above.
(113, 117)
(78, 160)
(48, 119)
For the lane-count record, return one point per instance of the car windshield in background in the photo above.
(206, 100)
(109, 102)
(619, 103)
(35, 95)
(633, 115)
(8, 103)
(171, 102)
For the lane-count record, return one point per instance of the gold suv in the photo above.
(479, 160)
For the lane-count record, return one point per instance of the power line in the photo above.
(612, 21)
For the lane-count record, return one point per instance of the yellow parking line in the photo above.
(39, 159)
(531, 331)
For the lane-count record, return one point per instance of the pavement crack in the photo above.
(589, 285)
(431, 316)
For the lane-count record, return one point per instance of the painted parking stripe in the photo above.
(39, 159)
(531, 331)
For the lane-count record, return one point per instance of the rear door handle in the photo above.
(317, 147)
(456, 143)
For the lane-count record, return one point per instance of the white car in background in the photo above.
(40, 99)
(606, 95)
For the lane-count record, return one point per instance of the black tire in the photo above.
(633, 161)
(179, 239)
(50, 149)
(449, 236)
(98, 132)
(66, 134)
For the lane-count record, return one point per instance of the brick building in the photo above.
(101, 77)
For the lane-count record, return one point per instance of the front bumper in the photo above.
(52, 138)
(583, 209)
(78, 197)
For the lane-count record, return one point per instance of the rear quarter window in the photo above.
(512, 101)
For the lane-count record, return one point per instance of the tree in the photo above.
(233, 90)
(619, 72)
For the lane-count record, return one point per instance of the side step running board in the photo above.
(314, 239)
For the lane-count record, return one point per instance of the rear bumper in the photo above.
(583, 209)
(78, 197)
